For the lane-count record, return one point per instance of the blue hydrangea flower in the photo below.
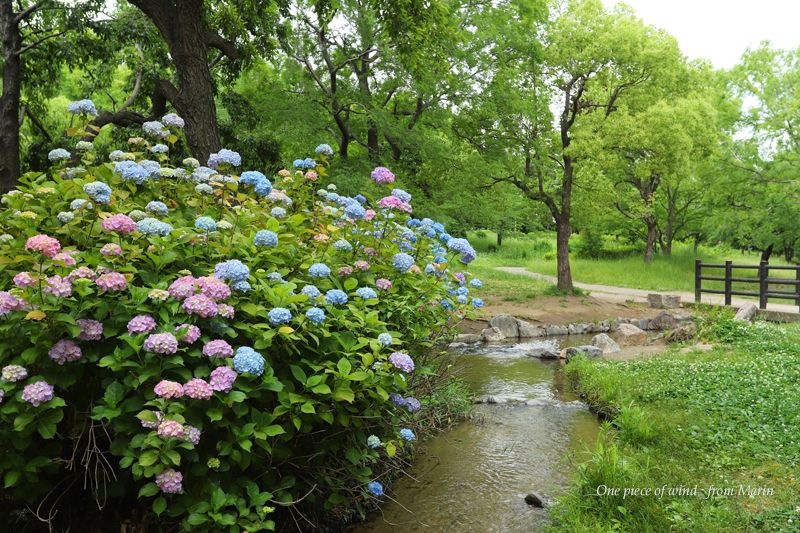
(275, 276)
(461, 299)
(224, 156)
(430, 269)
(324, 149)
(407, 434)
(475, 282)
(206, 224)
(84, 146)
(477, 303)
(159, 148)
(462, 291)
(251, 177)
(241, 286)
(366, 293)
(266, 238)
(263, 187)
(65, 216)
(316, 315)
(398, 400)
(373, 441)
(153, 226)
(447, 304)
(58, 154)
(403, 195)
(385, 339)
(336, 297)
(278, 212)
(233, 270)
(412, 404)
(319, 270)
(98, 191)
(116, 155)
(402, 262)
(355, 211)
(82, 107)
(306, 163)
(311, 291)
(375, 488)
(132, 171)
(342, 245)
(174, 120)
(463, 247)
(279, 315)
(360, 198)
(159, 208)
(248, 361)
(204, 188)
(79, 203)
(155, 129)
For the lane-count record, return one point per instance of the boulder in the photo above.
(630, 335)
(457, 345)
(605, 343)
(507, 325)
(468, 338)
(671, 301)
(534, 500)
(492, 335)
(663, 321)
(529, 331)
(544, 352)
(747, 312)
(604, 326)
(556, 330)
(655, 300)
(681, 333)
(587, 350)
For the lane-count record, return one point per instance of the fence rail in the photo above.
(764, 282)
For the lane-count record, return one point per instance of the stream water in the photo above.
(474, 478)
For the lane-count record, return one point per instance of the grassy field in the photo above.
(623, 267)
(723, 421)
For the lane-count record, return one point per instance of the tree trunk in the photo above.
(563, 231)
(9, 101)
(651, 239)
(499, 239)
(767, 253)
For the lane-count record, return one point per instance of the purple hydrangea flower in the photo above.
(217, 348)
(163, 343)
(200, 305)
(170, 481)
(198, 389)
(64, 351)
(168, 389)
(12, 373)
(141, 324)
(37, 393)
(222, 379)
(402, 361)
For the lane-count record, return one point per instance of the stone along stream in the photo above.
(474, 478)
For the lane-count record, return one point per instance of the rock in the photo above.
(605, 343)
(630, 335)
(491, 400)
(587, 350)
(468, 338)
(556, 330)
(456, 345)
(528, 331)
(507, 325)
(544, 352)
(534, 499)
(747, 312)
(655, 300)
(663, 321)
(492, 335)
(681, 333)
(671, 301)
(571, 329)
(642, 323)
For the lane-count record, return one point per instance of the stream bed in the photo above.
(474, 477)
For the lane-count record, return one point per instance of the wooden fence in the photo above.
(765, 283)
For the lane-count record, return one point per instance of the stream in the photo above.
(474, 477)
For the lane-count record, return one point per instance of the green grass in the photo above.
(624, 267)
(725, 418)
(509, 287)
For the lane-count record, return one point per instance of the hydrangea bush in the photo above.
(210, 343)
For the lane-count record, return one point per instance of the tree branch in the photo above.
(222, 44)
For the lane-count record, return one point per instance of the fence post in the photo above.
(698, 268)
(728, 282)
(763, 272)
(797, 285)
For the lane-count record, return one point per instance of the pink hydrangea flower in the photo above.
(170, 481)
(66, 258)
(111, 249)
(64, 351)
(222, 379)
(168, 389)
(44, 244)
(163, 343)
(369, 214)
(9, 302)
(189, 333)
(225, 310)
(198, 389)
(200, 305)
(37, 393)
(214, 288)
(311, 175)
(119, 223)
(414, 269)
(170, 428)
(393, 202)
(382, 175)
(91, 330)
(58, 286)
(321, 237)
(24, 279)
(371, 252)
(383, 284)
(141, 324)
(361, 265)
(82, 273)
(345, 271)
(218, 348)
(159, 417)
(112, 281)
(182, 288)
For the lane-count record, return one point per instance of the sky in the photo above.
(721, 30)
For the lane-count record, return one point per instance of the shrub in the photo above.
(166, 341)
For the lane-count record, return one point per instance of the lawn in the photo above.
(724, 420)
(622, 266)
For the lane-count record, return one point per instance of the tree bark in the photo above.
(9, 101)
(499, 239)
(767, 253)
(651, 239)
(563, 233)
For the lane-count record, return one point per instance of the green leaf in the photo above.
(321, 389)
(350, 284)
(344, 366)
(308, 408)
(148, 458)
(11, 478)
(159, 505)
(151, 489)
(343, 394)
(391, 449)
(274, 430)
(196, 519)
(237, 396)
(115, 392)
(298, 373)
(358, 376)
(214, 414)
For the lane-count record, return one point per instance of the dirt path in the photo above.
(618, 295)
